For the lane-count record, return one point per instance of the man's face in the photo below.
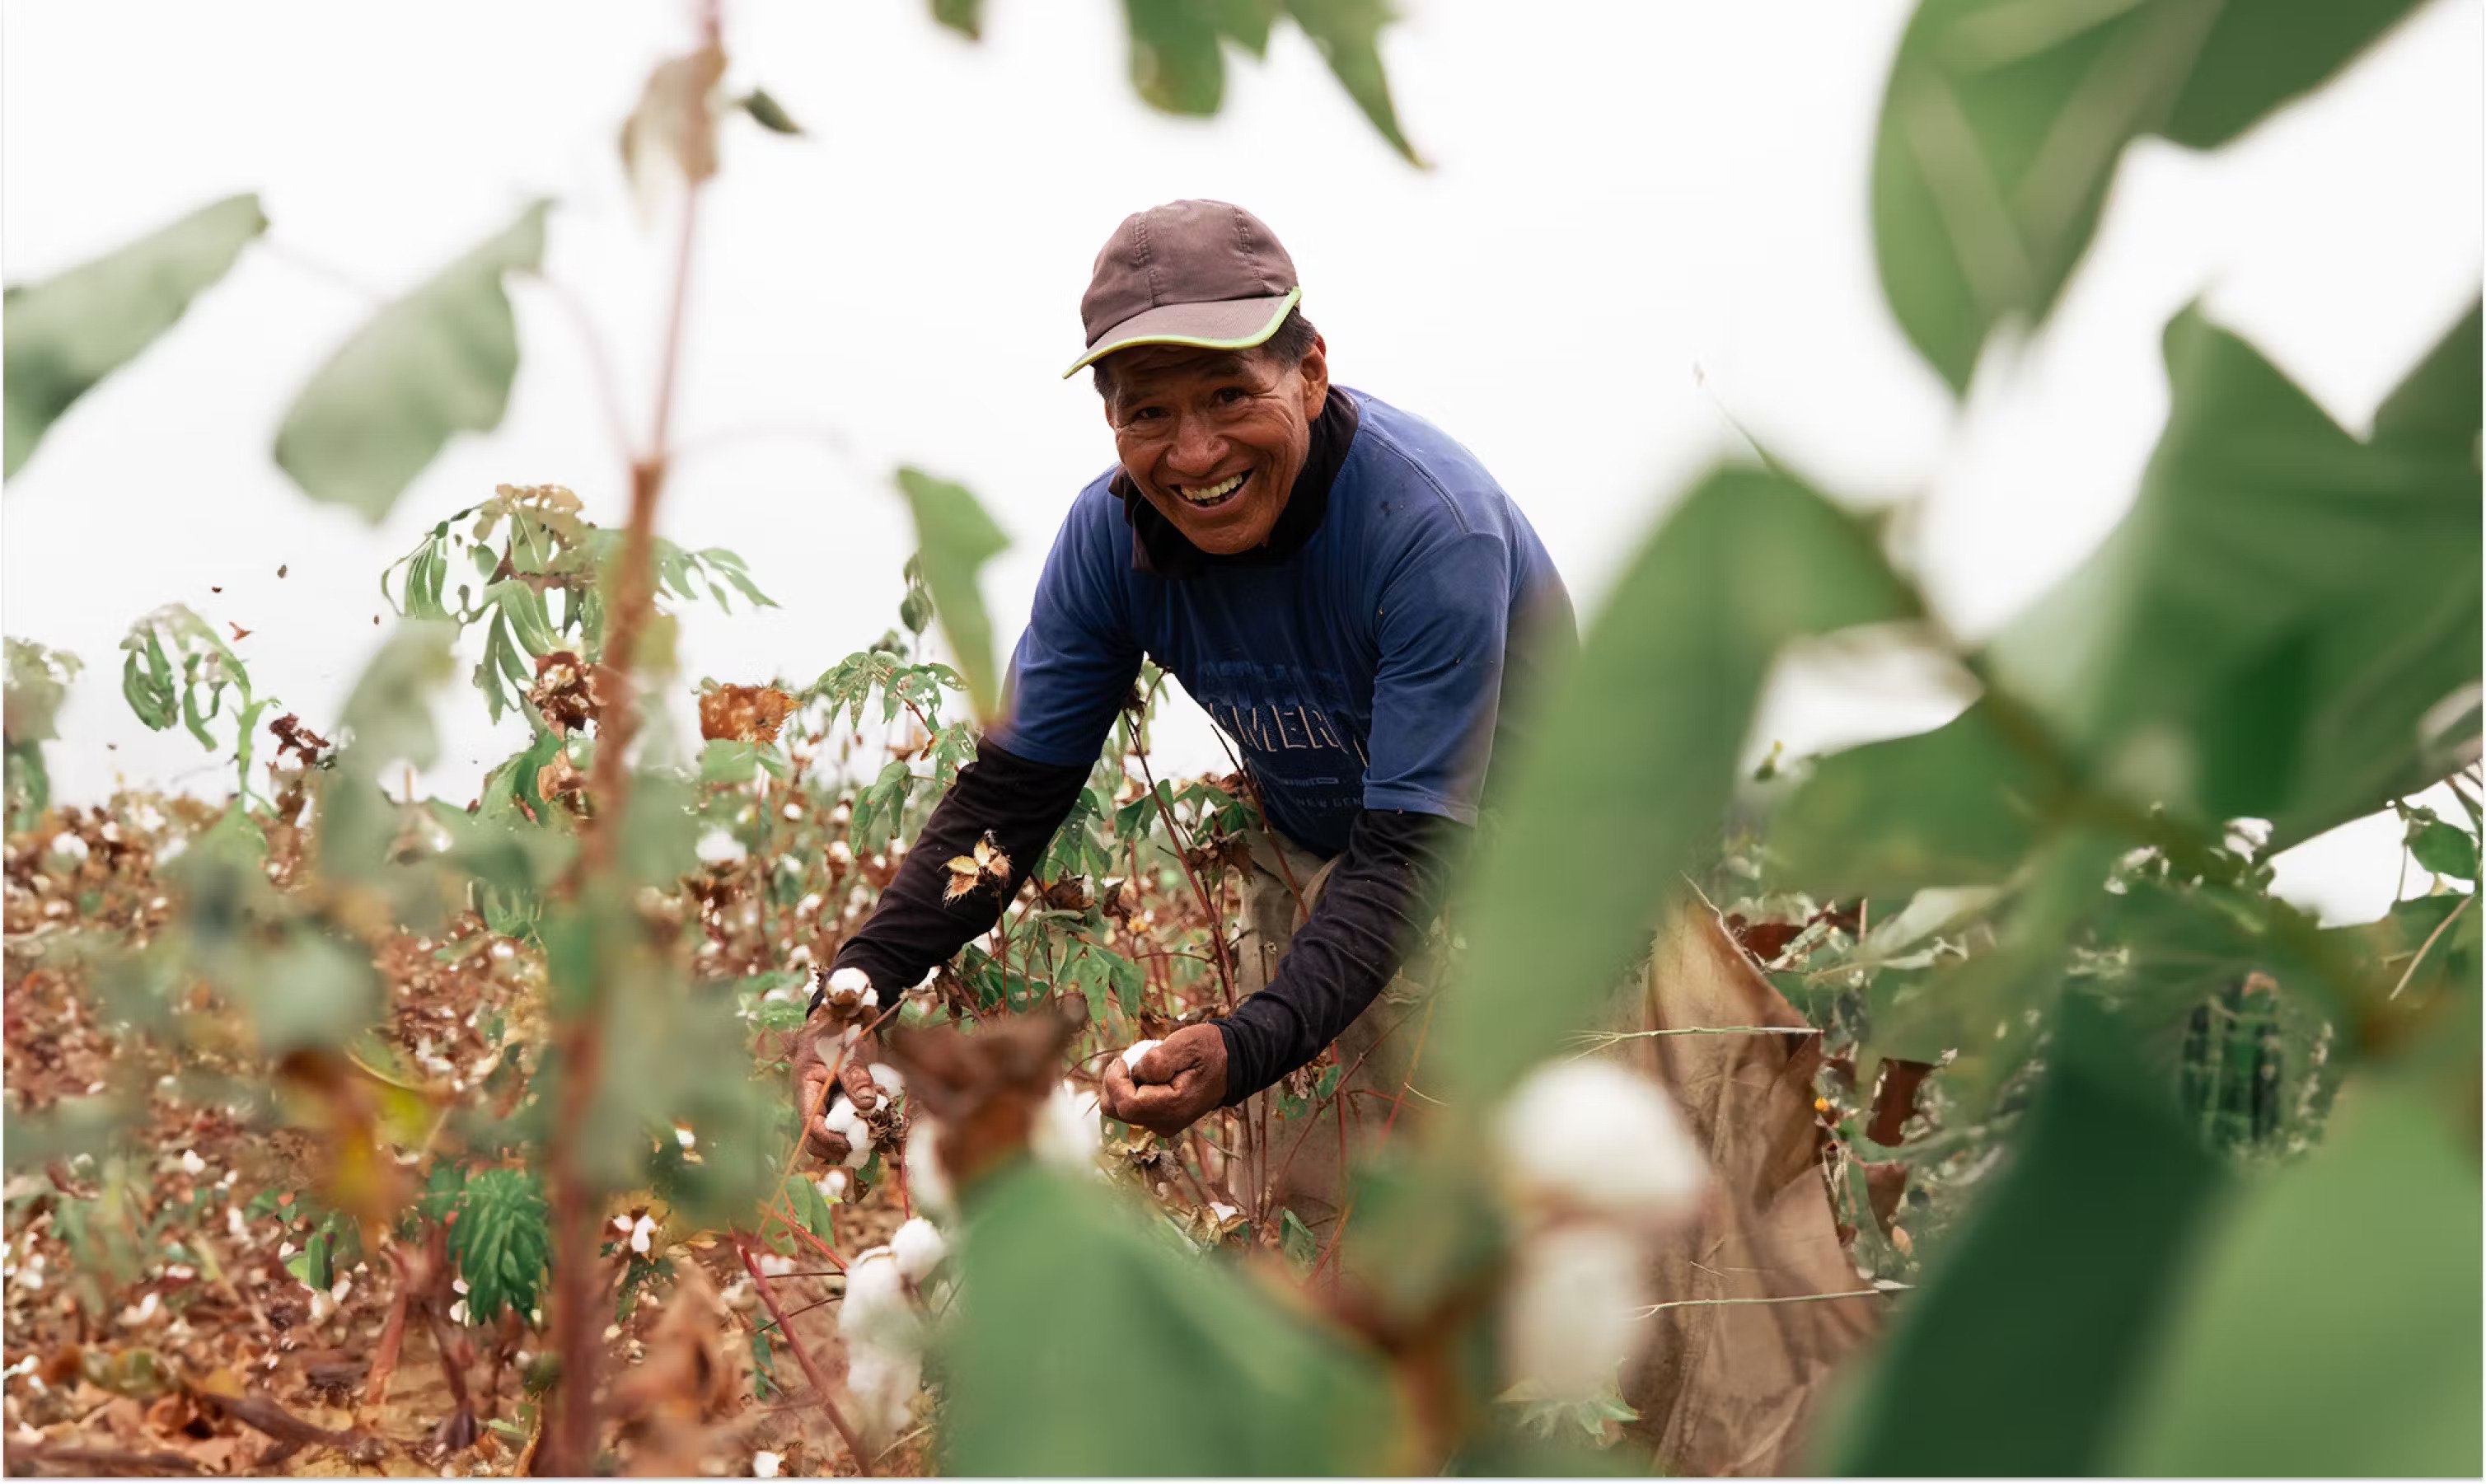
(1214, 439)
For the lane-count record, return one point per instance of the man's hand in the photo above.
(1178, 1081)
(815, 1051)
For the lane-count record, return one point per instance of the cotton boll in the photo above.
(883, 1384)
(1070, 1132)
(1567, 1316)
(888, 1079)
(847, 989)
(834, 1185)
(842, 1118)
(764, 1465)
(927, 1179)
(718, 849)
(1138, 1049)
(919, 1249)
(876, 1310)
(1594, 1137)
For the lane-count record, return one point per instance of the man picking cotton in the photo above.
(1347, 592)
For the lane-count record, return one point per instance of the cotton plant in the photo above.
(1598, 1168)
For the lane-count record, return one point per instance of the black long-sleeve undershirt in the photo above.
(1378, 898)
(912, 928)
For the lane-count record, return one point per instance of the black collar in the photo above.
(1160, 549)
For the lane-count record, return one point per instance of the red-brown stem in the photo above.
(802, 1356)
(1182, 857)
(1414, 1059)
(570, 1431)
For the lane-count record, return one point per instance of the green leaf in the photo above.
(769, 113)
(2327, 592)
(728, 764)
(501, 1242)
(2331, 1327)
(68, 332)
(2019, 1352)
(313, 992)
(1956, 806)
(954, 539)
(2004, 120)
(530, 623)
(1176, 64)
(433, 363)
(1207, 1375)
(1348, 36)
(1670, 671)
(2443, 849)
(964, 16)
(389, 711)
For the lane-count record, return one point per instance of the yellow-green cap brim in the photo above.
(1231, 324)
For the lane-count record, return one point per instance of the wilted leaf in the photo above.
(955, 539)
(435, 363)
(2004, 120)
(37, 682)
(669, 137)
(72, 329)
(1748, 560)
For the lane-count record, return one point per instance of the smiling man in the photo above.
(1347, 592)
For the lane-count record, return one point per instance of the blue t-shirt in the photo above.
(1367, 670)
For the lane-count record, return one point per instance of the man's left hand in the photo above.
(1181, 1079)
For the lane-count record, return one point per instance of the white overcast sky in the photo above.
(1638, 215)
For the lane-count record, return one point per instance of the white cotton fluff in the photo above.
(883, 1384)
(718, 849)
(927, 1179)
(834, 1185)
(1070, 1132)
(876, 1310)
(1138, 1049)
(1568, 1318)
(919, 1249)
(887, 1079)
(847, 989)
(843, 1120)
(840, 854)
(764, 1465)
(1596, 1137)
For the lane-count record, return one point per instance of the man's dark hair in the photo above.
(1286, 348)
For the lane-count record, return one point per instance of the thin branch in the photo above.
(2410, 971)
(1651, 1310)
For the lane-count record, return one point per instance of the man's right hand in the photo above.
(816, 1052)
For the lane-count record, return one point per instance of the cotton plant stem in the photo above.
(570, 1431)
(802, 1356)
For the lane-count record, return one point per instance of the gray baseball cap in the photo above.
(1204, 273)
